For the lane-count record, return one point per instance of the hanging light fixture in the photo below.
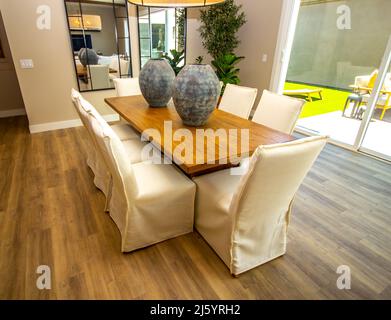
(175, 3)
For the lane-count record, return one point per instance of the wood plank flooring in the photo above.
(51, 214)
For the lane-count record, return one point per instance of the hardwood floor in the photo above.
(51, 214)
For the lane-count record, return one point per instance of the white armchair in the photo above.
(245, 218)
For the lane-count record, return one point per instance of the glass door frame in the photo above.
(383, 70)
(286, 34)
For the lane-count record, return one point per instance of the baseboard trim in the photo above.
(50, 126)
(12, 113)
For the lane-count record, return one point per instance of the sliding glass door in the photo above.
(375, 133)
(339, 56)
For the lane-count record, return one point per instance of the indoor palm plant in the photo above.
(226, 70)
(220, 24)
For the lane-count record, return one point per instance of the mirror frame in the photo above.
(113, 5)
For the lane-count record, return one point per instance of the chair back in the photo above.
(83, 107)
(125, 67)
(260, 206)
(127, 87)
(238, 100)
(278, 112)
(100, 76)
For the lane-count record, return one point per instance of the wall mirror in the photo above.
(160, 31)
(100, 41)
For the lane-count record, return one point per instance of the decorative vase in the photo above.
(196, 91)
(88, 56)
(156, 82)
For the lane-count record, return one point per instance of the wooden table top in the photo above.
(135, 110)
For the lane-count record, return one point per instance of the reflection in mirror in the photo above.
(100, 39)
(160, 31)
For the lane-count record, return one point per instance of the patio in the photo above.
(333, 100)
(343, 129)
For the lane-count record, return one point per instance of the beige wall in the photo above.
(10, 96)
(46, 87)
(134, 42)
(194, 47)
(258, 36)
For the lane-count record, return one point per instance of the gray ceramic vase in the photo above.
(196, 91)
(156, 81)
(83, 54)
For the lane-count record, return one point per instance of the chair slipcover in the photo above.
(278, 112)
(245, 218)
(149, 202)
(127, 87)
(238, 100)
(99, 76)
(132, 142)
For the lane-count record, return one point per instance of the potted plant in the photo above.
(175, 59)
(226, 70)
(219, 27)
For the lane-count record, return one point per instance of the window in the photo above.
(160, 30)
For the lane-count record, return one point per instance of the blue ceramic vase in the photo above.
(196, 92)
(156, 81)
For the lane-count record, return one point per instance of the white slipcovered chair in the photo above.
(238, 100)
(99, 76)
(245, 218)
(127, 87)
(125, 133)
(149, 202)
(278, 112)
(121, 65)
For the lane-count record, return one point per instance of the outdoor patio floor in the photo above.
(343, 129)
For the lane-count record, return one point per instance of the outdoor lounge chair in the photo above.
(304, 92)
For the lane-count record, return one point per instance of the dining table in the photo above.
(209, 155)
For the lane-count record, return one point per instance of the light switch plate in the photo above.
(264, 58)
(26, 63)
